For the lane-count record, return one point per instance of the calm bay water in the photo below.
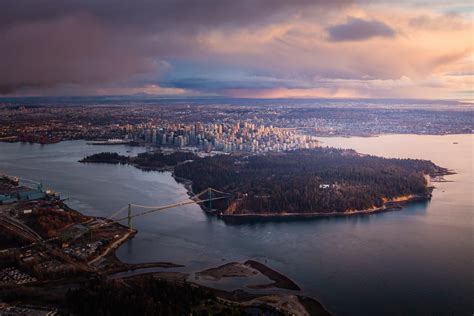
(415, 261)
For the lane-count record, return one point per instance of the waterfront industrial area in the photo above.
(47, 239)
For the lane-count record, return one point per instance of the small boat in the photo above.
(455, 143)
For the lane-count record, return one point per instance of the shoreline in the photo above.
(288, 303)
(92, 142)
(279, 280)
(391, 205)
(386, 208)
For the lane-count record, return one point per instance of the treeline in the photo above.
(106, 157)
(160, 160)
(145, 296)
(147, 160)
(320, 180)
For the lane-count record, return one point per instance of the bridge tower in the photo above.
(129, 216)
(210, 198)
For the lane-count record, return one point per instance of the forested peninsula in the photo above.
(310, 182)
(316, 182)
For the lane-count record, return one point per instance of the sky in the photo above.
(243, 49)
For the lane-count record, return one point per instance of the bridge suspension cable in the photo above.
(151, 209)
(164, 207)
(118, 212)
(196, 199)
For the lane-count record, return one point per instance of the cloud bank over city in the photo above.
(262, 49)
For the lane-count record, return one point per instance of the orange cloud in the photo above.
(395, 66)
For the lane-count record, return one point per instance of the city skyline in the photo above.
(250, 49)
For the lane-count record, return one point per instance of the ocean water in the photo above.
(416, 261)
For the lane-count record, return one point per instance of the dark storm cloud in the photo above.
(356, 29)
(175, 13)
(46, 43)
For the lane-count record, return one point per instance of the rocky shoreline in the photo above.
(387, 207)
(392, 205)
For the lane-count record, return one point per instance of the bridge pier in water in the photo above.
(129, 217)
(210, 199)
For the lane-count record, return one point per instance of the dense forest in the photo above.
(159, 160)
(307, 181)
(147, 160)
(105, 157)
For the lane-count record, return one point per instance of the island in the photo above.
(316, 182)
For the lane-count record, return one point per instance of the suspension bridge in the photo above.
(206, 197)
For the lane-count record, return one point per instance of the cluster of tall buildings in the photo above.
(240, 136)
